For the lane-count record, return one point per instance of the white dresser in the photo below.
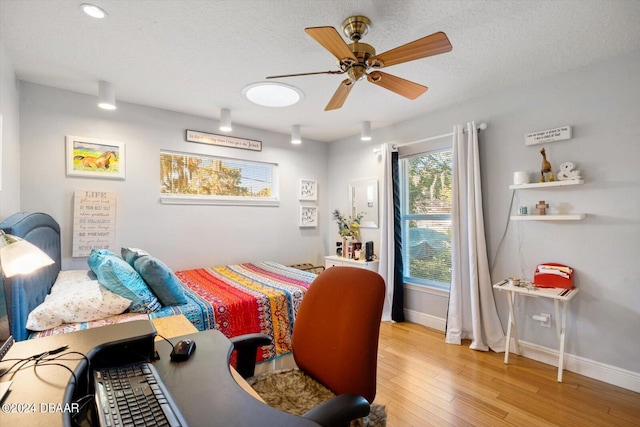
(336, 261)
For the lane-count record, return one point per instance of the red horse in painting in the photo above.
(101, 162)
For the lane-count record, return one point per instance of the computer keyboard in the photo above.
(134, 395)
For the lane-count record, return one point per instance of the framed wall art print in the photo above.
(95, 158)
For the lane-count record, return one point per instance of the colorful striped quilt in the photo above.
(235, 299)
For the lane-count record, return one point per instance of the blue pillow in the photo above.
(131, 254)
(162, 281)
(119, 277)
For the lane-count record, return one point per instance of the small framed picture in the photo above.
(95, 158)
(308, 216)
(308, 189)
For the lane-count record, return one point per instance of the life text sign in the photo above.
(549, 135)
(94, 221)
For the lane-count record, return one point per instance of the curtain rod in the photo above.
(481, 126)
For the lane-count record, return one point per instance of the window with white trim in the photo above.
(202, 179)
(426, 195)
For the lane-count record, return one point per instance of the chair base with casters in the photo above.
(335, 345)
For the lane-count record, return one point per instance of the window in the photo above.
(426, 195)
(190, 178)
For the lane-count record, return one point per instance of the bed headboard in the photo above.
(25, 292)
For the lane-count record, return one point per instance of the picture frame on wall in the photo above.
(308, 216)
(308, 190)
(95, 158)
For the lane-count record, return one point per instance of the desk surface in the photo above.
(202, 387)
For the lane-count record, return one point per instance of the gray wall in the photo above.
(602, 103)
(10, 138)
(184, 236)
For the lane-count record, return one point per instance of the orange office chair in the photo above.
(335, 346)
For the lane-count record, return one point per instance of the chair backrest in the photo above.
(335, 335)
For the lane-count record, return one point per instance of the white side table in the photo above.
(557, 294)
(336, 261)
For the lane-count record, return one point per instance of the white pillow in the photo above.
(75, 297)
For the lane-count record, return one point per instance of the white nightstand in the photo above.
(336, 261)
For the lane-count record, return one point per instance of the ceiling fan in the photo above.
(359, 60)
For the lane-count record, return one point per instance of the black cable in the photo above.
(49, 363)
(165, 339)
(493, 264)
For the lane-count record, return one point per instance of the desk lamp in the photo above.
(18, 256)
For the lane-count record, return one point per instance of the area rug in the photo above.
(293, 391)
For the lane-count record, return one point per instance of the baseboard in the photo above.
(589, 368)
(432, 322)
(599, 371)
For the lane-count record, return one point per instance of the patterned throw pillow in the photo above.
(75, 297)
(119, 277)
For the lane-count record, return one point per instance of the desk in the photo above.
(202, 386)
(175, 326)
(557, 295)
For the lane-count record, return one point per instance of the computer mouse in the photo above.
(183, 350)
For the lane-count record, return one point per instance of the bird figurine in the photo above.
(546, 167)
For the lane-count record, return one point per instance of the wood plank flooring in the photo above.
(425, 382)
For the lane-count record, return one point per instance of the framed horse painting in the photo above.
(95, 158)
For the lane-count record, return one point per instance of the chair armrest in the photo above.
(246, 347)
(339, 411)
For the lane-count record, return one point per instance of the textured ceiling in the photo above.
(195, 56)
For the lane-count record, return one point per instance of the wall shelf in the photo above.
(546, 184)
(565, 217)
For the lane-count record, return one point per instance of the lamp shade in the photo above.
(18, 256)
(295, 134)
(106, 96)
(225, 120)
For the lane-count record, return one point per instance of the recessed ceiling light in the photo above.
(93, 11)
(272, 94)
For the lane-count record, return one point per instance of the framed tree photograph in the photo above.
(308, 216)
(95, 158)
(308, 190)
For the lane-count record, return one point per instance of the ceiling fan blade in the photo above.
(331, 40)
(305, 74)
(427, 46)
(340, 95)
(403, 87)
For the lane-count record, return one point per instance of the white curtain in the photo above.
(472, 311)
(387, 248)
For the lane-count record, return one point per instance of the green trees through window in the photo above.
(426, 218)
(198, 175)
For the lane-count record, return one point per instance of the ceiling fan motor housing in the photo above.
(363, 52)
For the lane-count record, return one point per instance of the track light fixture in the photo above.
(365, 131)
(106, 96)
(225, 120)
(295, 134)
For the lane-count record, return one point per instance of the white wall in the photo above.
(10, 138)
(184, 236)
(601, 102)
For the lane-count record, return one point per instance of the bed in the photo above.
(235, 299)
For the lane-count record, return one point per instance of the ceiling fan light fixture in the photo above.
(295, 134)
(225, 120)
(93, 11)
(365, 131)
(272, 94)
(106, 95)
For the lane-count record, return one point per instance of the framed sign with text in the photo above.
(223, 140)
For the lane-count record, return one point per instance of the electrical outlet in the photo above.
(544, 319)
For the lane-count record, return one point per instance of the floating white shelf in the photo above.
(563, 217)
(547, 184)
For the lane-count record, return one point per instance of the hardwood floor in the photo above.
(425, 382)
